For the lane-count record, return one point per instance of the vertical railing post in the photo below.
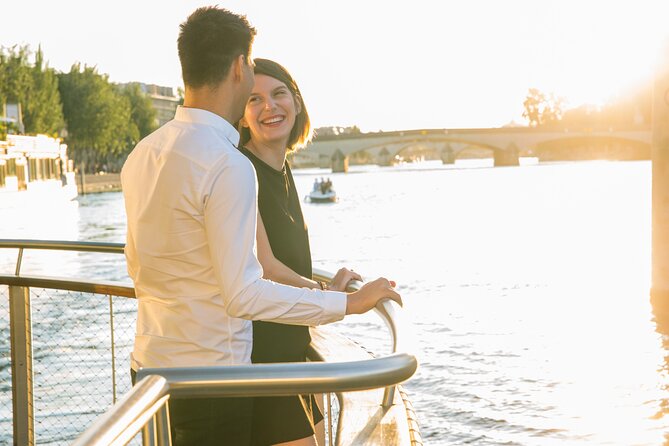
(163, 435)
(390, 317)
(149, 433)
(22, 365)
(320, 427)
(113, 348)
(388, 396)
(330, 427)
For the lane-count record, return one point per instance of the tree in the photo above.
(552, 111)
(532, 104)
(15, 76)
(98, 116)
(143, 114)
(34, 86)
(43, 111)
(542, 110)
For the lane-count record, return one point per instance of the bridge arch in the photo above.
(506, 144)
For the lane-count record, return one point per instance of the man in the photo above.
(191, 204)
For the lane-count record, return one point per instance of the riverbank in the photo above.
(96, 183)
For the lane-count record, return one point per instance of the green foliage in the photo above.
(142, 112)
(15, 73)
(103, 121)
(98, 116)
(34, 86)
(43, 112)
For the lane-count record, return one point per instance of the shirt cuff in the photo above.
(334, 306)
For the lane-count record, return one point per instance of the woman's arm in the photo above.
(273, 269)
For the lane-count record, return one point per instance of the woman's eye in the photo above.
(253, 99)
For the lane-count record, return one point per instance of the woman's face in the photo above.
(270, 111)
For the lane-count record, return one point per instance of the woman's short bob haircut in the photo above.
(301, 133)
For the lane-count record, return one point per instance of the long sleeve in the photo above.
(230, 223)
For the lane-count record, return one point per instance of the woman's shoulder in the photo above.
(262, 168)
(257, 162)
(246, 152)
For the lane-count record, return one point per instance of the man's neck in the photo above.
(216, 100)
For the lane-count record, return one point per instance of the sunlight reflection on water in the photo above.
(527, 289)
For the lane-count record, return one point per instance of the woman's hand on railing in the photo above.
(342, 279)
(370, 294)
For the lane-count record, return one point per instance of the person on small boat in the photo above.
(191, 207)
(275, 123)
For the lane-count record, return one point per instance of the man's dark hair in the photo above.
(209, 41)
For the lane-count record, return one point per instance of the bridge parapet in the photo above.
(499, 141)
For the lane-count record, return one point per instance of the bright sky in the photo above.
(381, 65)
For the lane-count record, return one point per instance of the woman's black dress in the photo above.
(280, 419)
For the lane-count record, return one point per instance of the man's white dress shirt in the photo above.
(191, 203)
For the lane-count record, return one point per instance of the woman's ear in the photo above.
(243, 123)
(298, 104)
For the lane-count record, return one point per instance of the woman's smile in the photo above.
(273, 121)
(270, 111)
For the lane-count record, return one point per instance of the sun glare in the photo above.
(593, 52)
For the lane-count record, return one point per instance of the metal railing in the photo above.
(145, 404)
(24, 325)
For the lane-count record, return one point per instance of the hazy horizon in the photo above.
(379, 66)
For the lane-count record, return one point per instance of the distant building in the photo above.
(513, 124)
(163, 99)
(11, 118)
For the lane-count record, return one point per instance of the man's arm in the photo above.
(230, 223)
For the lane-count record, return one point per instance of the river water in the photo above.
(526, 289)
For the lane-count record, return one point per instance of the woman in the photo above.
(276, 122)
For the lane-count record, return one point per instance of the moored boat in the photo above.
(35, 167)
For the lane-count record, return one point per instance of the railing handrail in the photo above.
(80, 285)
(281, 379)
(64, 245)
(124, 420)
(384, 308)
(127, 417)
(253, 380)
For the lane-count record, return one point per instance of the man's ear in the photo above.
(238, 67)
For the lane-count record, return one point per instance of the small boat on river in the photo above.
(316, 196)
(322, 192)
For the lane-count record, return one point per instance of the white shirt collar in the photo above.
(205, 117)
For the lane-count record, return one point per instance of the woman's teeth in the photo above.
(272, 120)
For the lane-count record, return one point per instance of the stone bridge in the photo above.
(506, 144)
